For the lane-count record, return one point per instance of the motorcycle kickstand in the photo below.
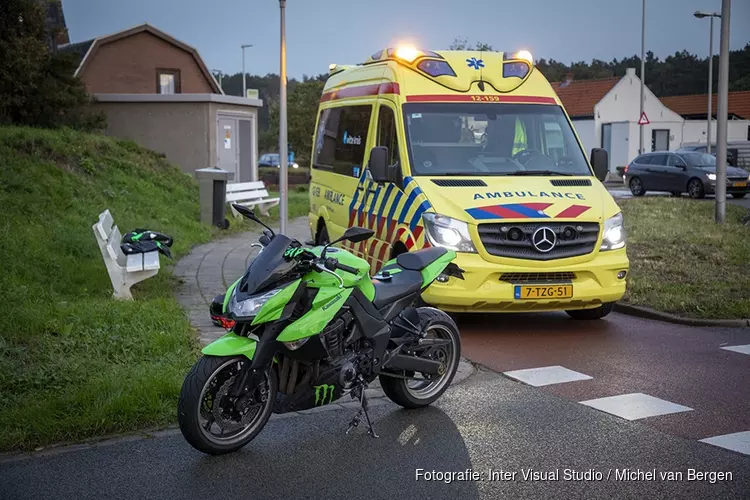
(363, 410)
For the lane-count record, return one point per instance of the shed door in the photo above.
(227, 147)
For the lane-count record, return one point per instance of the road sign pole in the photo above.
(283, 154)
(721, 116)
(710, 82)
(643, 75)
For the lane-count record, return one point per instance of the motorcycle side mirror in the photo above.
(249, 214)
(357, 234)
(353, 234)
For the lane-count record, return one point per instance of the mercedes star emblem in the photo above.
(544, 239)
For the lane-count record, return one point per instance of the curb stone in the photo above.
(645, 312)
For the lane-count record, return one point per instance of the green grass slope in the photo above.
(74, 362)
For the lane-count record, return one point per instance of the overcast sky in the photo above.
(320, 32)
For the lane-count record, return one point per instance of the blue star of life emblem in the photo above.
(475, 63)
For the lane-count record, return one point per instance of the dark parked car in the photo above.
(273, 160)
(694, 173)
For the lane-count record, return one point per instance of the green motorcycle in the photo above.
(311, 326)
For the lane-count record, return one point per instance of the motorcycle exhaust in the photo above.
(413, 364)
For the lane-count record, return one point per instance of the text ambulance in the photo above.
(471, 151)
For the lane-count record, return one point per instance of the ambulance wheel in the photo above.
(589, 314)
(322, 238)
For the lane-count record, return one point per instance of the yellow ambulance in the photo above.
(472, 151)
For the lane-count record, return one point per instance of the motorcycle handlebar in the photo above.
(348, 269)
(332, 264)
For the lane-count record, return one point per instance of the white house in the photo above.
(605, 113)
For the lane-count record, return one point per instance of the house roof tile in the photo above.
(580, 97)
(696, 104)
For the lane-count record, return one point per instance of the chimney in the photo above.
(568, 80)
(630, 72)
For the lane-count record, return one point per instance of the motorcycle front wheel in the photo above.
(418, 390)
(213, 421)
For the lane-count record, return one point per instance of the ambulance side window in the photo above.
(341, 138)
(387, 135)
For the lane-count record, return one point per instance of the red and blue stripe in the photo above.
(524, 211)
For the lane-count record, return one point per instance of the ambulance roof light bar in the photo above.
(523, 55)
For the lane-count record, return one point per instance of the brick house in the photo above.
(157, 91)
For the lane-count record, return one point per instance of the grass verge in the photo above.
(74, 363)
(683, 263)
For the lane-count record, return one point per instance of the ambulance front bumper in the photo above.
(491, 287)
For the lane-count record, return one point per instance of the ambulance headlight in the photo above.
(614, 233)
(448, 233)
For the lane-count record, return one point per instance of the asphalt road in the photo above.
(487, 422)
(625, 355)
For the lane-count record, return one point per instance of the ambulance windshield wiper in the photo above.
(538, 172)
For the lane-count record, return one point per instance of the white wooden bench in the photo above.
(250, 194)
(124, 270)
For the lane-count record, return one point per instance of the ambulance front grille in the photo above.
(550, 277)
(570, 182)
(496, 240)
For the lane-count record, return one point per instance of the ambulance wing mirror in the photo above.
(600, 162)
(378, 165)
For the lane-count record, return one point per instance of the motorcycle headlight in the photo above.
(711, 177)
(614, 233)
(448, 233)
(249, 307)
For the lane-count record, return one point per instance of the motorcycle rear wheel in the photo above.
(203, 423)
(420, 393)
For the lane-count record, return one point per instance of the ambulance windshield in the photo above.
(487, 139)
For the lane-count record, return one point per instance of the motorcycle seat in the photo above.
(416, 261)
(396, 286)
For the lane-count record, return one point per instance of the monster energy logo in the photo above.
(322, 392)
(293, 252)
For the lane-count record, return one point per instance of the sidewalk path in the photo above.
(209, 269)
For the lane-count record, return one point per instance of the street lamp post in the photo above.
(244, 82)
(700, 15)
(721, 118)
(283, 153)
(643, 76)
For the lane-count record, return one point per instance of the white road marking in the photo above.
(742, 349)
(635, 406)
(739, 441)
(546, 375)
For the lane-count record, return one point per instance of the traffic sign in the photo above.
(644, 119)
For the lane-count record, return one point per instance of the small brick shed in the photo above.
(157, 91)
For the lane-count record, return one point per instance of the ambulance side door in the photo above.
(339, 157)
(384, 197)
